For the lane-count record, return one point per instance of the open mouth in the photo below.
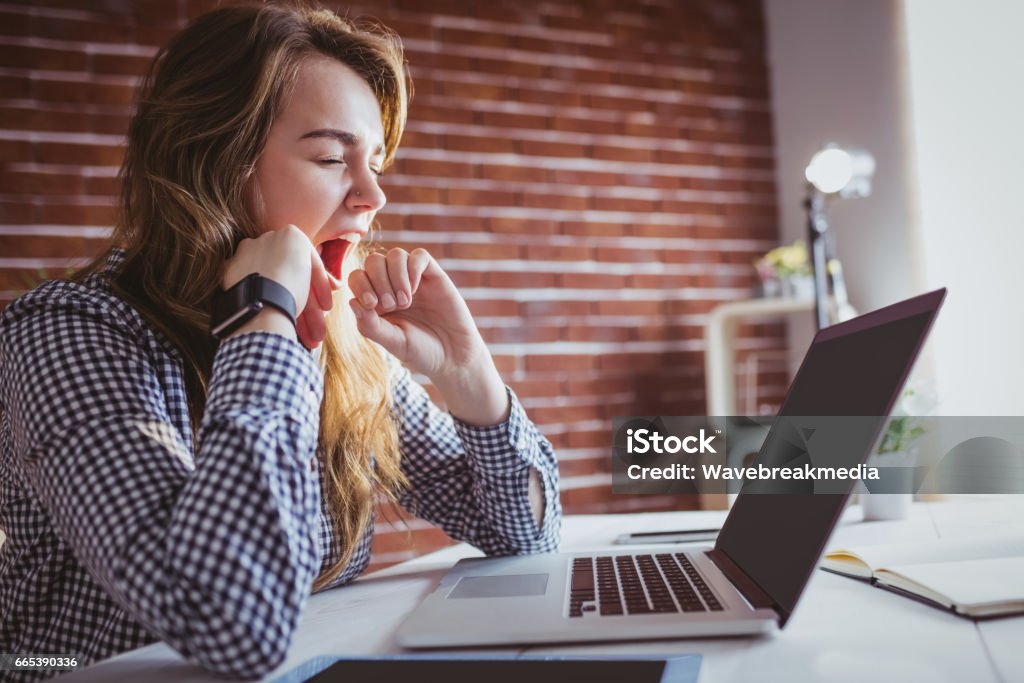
(332, 253)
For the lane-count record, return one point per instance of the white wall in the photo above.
(966, 64)
(930, 88)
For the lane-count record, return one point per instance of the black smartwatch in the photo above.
(243, 300)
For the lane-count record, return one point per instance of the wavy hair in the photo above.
(204, 112)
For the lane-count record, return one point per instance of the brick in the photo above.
(441, 223)
(563, 202)
(461, 197)
(45, 246)
(466, 278)
(505, 279)
(560, 363)
(541, 309)
(522, 226)
(566, 98)
(15, 211)
(589, 439)
(612, 153)
(629, 308)
(78, 154)
(474, 91)
(74, 214)
(129, 65)
(623, 204)
(474, 143)
(412, 194)
(509, 68)
(26, 57)
(585, 177)
(426, 61)
(548, 252)
(110, 30)
(593, 281)
(15, 151)
(590, 126)
(155, 35)
(599, 334)
(82, 92)
(422, 112)
(414, 139)
(533, 388)
(493, 307)
(100, 185)
(592, 228)
(475, 250)
(520, 334)
(457, 36)
(567, 414)
(41, 183)
(15, 87)
(626, 255)
(431, 168)
(15, 23)
(552, 149)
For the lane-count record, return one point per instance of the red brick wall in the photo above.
(595, 175)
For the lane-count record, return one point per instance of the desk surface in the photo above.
(842, 630)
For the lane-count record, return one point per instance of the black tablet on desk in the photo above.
(496, 669)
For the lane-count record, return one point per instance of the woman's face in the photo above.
(319, 170)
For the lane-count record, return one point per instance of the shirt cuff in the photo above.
(266, 371)
(503, 447)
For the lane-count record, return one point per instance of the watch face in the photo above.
(234, 307)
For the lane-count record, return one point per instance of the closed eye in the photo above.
(331, 161)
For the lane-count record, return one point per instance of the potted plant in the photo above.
(786, 271)
(896, 456)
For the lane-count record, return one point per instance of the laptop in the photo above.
(753, 577)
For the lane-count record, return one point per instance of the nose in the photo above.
(365, 195)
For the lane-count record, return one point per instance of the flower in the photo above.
(785, 261)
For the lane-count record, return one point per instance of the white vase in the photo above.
(890, 506)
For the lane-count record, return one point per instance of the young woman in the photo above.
(157, 482)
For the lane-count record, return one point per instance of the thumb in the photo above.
(378, 330)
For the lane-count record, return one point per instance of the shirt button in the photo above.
(522, 444)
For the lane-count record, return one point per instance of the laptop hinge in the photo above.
(750, 590)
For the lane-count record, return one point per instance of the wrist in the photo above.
(269, 319)
(475, 394)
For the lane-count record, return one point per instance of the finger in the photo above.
(302, 332)
(419, 261)
(316, 326)
(376, 268)
(362, 290)
(320, 282)
(398, 273)
(376, 329)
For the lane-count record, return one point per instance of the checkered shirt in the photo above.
(122, 531)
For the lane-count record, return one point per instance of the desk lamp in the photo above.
(833, 171)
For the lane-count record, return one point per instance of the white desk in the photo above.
(842, 630)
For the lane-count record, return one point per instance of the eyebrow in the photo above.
(342, 136)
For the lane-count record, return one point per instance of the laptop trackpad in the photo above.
(512, 585)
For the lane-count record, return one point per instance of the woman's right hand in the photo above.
(289, 258)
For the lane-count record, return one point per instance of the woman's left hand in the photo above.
(406, 303)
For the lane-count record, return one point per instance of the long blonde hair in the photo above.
(204, 112)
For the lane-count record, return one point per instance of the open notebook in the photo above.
(973, 577)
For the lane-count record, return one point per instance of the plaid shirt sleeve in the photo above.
(473, 481)
(219, 575)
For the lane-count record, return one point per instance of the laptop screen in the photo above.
(856, 368)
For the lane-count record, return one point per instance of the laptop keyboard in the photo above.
(638, 584)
